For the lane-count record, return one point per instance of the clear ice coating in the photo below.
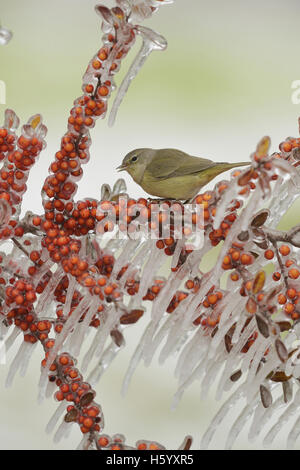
(5, 36)
(152, 41)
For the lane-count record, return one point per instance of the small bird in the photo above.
(171, 173)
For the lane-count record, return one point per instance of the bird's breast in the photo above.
(179, 187)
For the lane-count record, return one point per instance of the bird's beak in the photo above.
(121, 167)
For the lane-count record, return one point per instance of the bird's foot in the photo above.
(160, 200)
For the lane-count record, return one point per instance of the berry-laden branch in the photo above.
(237, 322)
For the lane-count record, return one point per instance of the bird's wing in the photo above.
(171, 162)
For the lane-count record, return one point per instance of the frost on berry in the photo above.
(76, 268)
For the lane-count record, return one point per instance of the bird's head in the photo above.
(135, 163)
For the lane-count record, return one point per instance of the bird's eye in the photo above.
(134, 159)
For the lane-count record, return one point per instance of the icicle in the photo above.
(129, 249)
(26, 358)
(101, 336)
(192, 350)
(151, 41)
(174, 338)
(134, 267)
(153, 263)
(217, 420)
(197, 372)
(55, 417)
(272, 363)
(288, 414)
(42, 271)
(158, 338)
(83, 442)
(160, 305)
(10, 341)
(257, 354)
(134, 361)
(196, 256)
(226, 197)
(17, 363)
(69, 297)
(239, 423)
(211, 375)
(233, 357)
(61, 432)
(175, 258)
(77, 337)
(229, 316)
(47, 295)
(248, 358)
(106, 359)
(262, 416)
(51, 387)
(293, 435)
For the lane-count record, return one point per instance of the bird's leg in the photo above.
(159, 200)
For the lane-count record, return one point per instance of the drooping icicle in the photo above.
(153, 263)
(134, 361)
(77, 337)
(284, 418)
(106, 359)
(47, 295)
(63, 430)
(26, 360)
(272, 362)
(55, 417)
(158, 338)
(22, 356)
(10, 341)
(233, 358)
(101, 336)
(293, 435)
(174, 338)
(212, 371)
(217, 420)
(262, 345)
(192, 351)
(239, 423)
(262, 416)
(69, 296)
(130, 248)
(152, 41)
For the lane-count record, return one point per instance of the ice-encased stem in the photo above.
(151, 41)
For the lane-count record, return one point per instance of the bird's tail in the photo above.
(234, 165)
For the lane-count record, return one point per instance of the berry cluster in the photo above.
(18, 156)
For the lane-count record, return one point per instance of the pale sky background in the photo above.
(223, 83)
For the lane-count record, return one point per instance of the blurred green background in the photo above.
(224, 82)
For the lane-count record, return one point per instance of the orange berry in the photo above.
(212, 299)
(294, 273)
(103, 441)
(285, 250)
(281, 299)
(289, 308)
(246, 259)
(103, 91)
(291, 293)
(269, 254)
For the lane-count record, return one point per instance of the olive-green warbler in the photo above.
(171, 173)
